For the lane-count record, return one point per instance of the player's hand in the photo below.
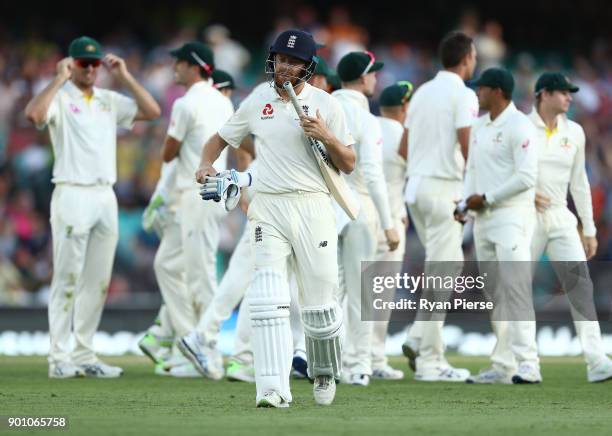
(475, 202)
(116, 66)
(590, 246)
(542, 202)
(204, 171)
(315, 127)
(392, 238)
(64, 68)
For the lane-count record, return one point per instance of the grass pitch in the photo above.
(141, 403)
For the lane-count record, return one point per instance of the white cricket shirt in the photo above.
(394, 165)
(437, 109)
(561, 164)
(285, 160)
(196, 117)
(83, 133)
(503, 159)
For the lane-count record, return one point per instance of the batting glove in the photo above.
(225, 186)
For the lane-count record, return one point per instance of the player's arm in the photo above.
(171, 148)
(36, 110)
(403, 148)
(148, 109)
(210, 153)
(581, 194)
(463, 137)
(466, 112)
(247, 146)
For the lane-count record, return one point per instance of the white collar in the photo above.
(356, 96)
(501, 118)
(449, 75)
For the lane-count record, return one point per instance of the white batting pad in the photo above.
(272, 343)
(322, 326)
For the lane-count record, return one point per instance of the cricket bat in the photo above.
(333, 178)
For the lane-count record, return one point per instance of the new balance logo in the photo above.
(291, 42)
(322, 244)
(258, 234)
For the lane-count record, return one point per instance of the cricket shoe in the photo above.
(65, 370)
(444, 373)
(237, 371)
(527, 374)
(206, 359)
(324, 389)
(410, 349)
(272, 399)
(186, 370)
(358, 379)
(490, 376)
(101, 370)
(299, 366)
(600, 372)
(154, 348)
(387, 373)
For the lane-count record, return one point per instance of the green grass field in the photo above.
(143, 404)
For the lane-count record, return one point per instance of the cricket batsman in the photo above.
(291, 219)
(83, 121)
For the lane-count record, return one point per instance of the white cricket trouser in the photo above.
(85, 232)
(289, 230)
(557, 235)
(442, 236)
(379, 335)
(357, 243)
(503, 236)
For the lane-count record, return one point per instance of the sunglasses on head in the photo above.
(85, 63)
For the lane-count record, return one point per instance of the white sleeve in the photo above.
(180, 121)
(466, 109)
(581, 190)
(52, 113)
(237, 127)
(370, 162)
(336, 121)
(525, 164)
(125, 110)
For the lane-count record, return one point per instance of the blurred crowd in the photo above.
(28, 64)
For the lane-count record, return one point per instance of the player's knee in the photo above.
(322, 322)
(269, 295)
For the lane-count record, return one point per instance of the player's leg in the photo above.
(158, 339)
(298, 363)
(240, 365)
(315, 246)
(93, 285)
(70, 234)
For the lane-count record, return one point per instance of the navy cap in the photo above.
(554, 82)
(296, 43)
(496, 78)
(223, 80)
(196, 53)
(356, 64)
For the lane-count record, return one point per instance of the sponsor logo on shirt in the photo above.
(565, 143)
(267, 112)
(74, 108)
(499, 138)
(525, 144)
(104, 107)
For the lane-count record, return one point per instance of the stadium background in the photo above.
(527, 37)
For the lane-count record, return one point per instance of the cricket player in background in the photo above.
(499, 186)
(357, 239)
(439, 120)
(83, 121)
(560, 144)
(394, 101)
(291, 219)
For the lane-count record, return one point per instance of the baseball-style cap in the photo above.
(496, 78)
(554, 82)
(396, 94)
(223, 80)
(85, 47)
(356, 64)
(296, 43)
(196, 53)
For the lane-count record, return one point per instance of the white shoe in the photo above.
(324, 389)
(387, 373)
(205, 359)
(410, 349)
(187, 370)
(359, 379)
(272, 399)
(490, 376)
(101, 370)
(442, 373)
(65, 370)
(527, 374)
(600, 372)
(238, 371)
(155, 349)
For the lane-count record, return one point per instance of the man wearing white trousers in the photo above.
(499, 187)
(394, 101)
(357, 239)
(185, 263)
(83, 121)
(560, 143)
(439, 119)
(291, 220)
